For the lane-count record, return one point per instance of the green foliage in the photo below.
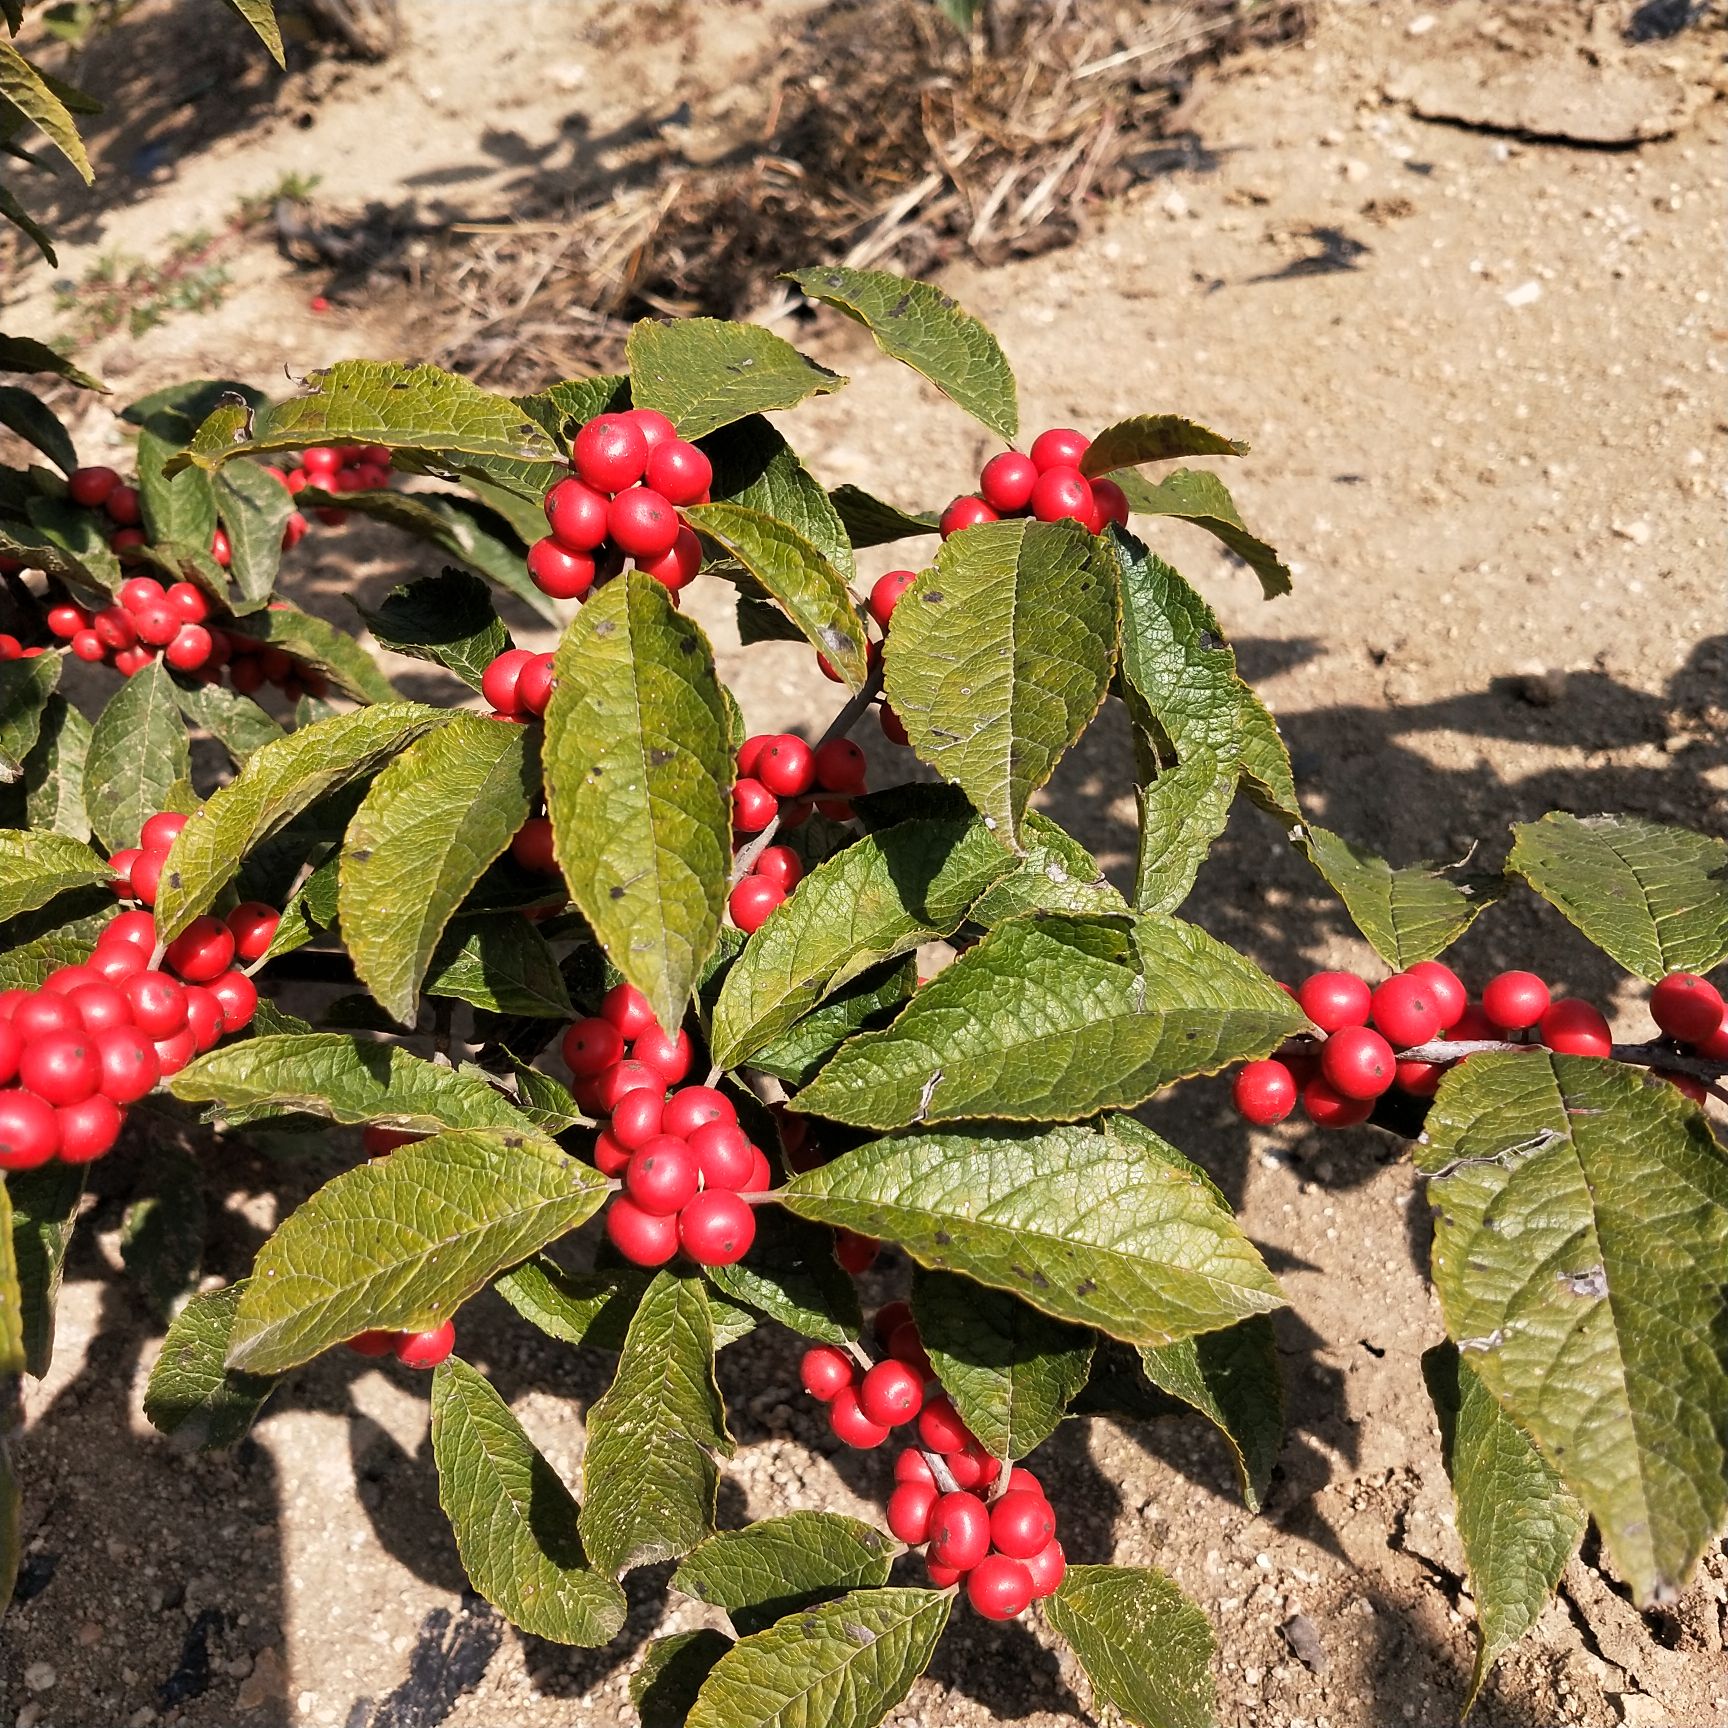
(138, 754)
(193, 1395)
(35, 866)
(704, 373)
(784, 1565)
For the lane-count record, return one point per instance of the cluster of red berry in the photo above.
(633, 474)
(684, 1162)
(97, 1036)
(1047, 484)
(323, 468)
(1002, 1545)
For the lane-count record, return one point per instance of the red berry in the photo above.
(29, 1130)
(912, 1466)
(1358, 1062)
(679, 472)
(692, 1106)
(751, 902)
(840, 766)
(121, 864)
(643, 1238)
(636, 1120)
(678, 566)
(88, 647)
(558, 572)
(88, 1128)
(891, 1393)
(1264, 1092)
(498, 682)
(123, 541)
(1061, 493)
(61, 1069)
(576, 514)
(204, 1015)
(610, 452)
(1687, 1007)
(114, 626)
(655, 428)
(885, 594)
(91, 486)
(786, 766)
(1060, 447)
(239, 998)
(10, 647)
(202, 951)
(611, 1159)
(161, 831)
(1405, 1011)
(973, 1467)
(1716, 1045)
(377, 1141)
(532, 846)
(1574, 1027)
(66, 620)
(724, 1154)
(1007, 481)
(1111, 501)
(63, 980)
(372, 1343)
(753, 805)
(1420, 1079)
(100, 1004)
(909, 1509)
(1335, 999)
(663, 1176)
(1047, 1567)
(189, 649)
(158, 1004)
(157, 625)
(624, 1077)
(321, 460)
(123, 507)
(667, 1053)
(893, 727)
(220, 550)
(999, 1588)
(851, 1425)
(11, 1048)
(253, 925)
(45, 1015)
(137, 928)
(1472, 1027)
(1021, 1524)
(627, 1008)
(825, 1372)
(855, 1253)
(425, 1349)
(1327, 1107)
(173, 1053)
(1691, 1086)
(959, 1530)
(717, 1228)
(187, 601)
(941, 1576)
(966, 511)
(1515, 1000)
(592, 1046)
(940, 1427)
(905, 1345)
(642, 523)
(534, 684)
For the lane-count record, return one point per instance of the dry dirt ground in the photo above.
(1477, 369)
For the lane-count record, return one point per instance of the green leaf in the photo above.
(182, 507)
(12, 1362)
(61, 933)
(653, 1435)
(1145, 1647)
(1055, 874)
(307, 638)
(872, 521)
(638, 769)
(44, 1210)
(261, 15)
(1105, 1229)
(1154, 438)
(879, 898)
(1232, 1378)
(162, 1233)
(402, 1242)
(515, 1522)
(348, 1079)
(193, 1395)
(1652, 896)
(25, 686)
(1265, 762)
(1183, 809)
(927, 330)
(36, 423)
(236, 722)
(781, 1566)
(432, 822)
(138, 753)
(756, 468)
(447, 619)
(671, 1674)
(843, 1664)
(20, 218)
(584, 1308)
(36, 865)
(793, 1277)
(802, 582)
(1580, 1253)
(68, 541)
(501, 964)
(420, 410)
(1193, 495)
(1517, 1520)
(1051, 1019)
(1407, 915)
(279, 781)
(1011, 1371)
(863, 1006)
(37, 100)
(54, 771)
(704, 373)
(562, 409)
(26, 354)
(254, 508)
(1000, 657)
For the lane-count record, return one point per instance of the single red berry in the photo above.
(1689, 1084)
(825, 1372)
(220, 550)
(655, 428)
(663, 1176)
(161, 831)
(780, 865)
(239, 998)
(1061, 493)
(157, 625)
(1111, 501)
(753, 805)
(91, 486)
(45, 1015)
(905, 1345)
(940, 1427)
(498, 682)
(786, 765)
(1574, 1027)
(724, 1154)
(611, 1159)
(851, 1425)
(29, 1130)
(1405, 1011)
(717, 1228)
(1021, 1524)
(189, 649)
(1687, 1007)
(372, 1343)
(855, 1253)
(691, 1106)
(88, 1128)
(973, 1467)
(1420, 1079)
(1358, 1062)
(123, 507)
(187, 601)
(204, 1015)
(158, 1003)
(532, 847)
(1060, 447)
(120, 865)
(175, 1051)
(576, 514)
(840, 766)
(999, 1588)
(100, 1004)
(893, 727)
(679, 565)
(1472, 1027)
(114, 627)
(246, 675)
(321, 461)
(967, 511)
(66, 620)
(959, 1530)
(1327, 1107)
(891, 1393)
(378, 1141)
(1715, 1047)
(885, 594)
(761, 1177)
(909, 1509)
(911, 1465)
(1048, 1567)
(425, 1349)
(136, 927)
(627, 1008)
(667, 1053)
(534, 684)
(61, 1069)
(63, 980)
(202, 951)
(752, 900)
(624, 1077)
(10, 647)
(123, 542)
(637, 1118)
(1515, 1000)
(1335, 999)
(558, 572)
(642, 523)
(610, 452)
(1264, 1092)
(592, 1046)
(88, 647)
(1007, 481)
(11, 1048)
(253, 925)
(939, 1575)
(679, 472)
(643, 1238)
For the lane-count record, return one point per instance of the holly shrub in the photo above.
(633, 1020)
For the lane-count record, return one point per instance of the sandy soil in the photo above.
(1477, 373)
